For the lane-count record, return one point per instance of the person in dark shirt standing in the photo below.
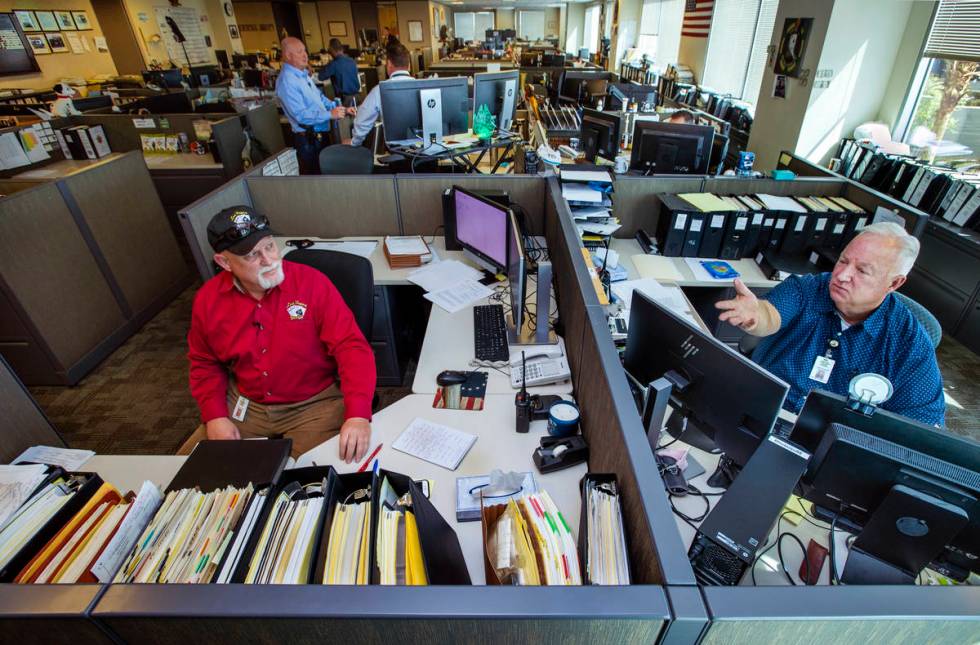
(342, 71)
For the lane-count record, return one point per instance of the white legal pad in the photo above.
(434, 443)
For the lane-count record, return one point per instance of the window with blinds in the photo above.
(736, 57)
(591, 39)
(472, 25)
(530, 25)
(955, 32)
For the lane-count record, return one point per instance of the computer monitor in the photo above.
(222, 58)
(671, 148)
(719, 150)
(424, 110)
(910, 492)
(600, 134)
(645, 96)
(553, 60)
(481, 229)
(720, 398)
(165, 78)
(252, 77)
(583, 53)
(517, 278)
(169, 103)
(498, 91)
(576, 84)
(204, 75)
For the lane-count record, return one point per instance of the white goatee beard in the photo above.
(272, 276)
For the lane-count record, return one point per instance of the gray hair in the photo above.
(908, 245)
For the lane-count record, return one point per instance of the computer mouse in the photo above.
(451, 377)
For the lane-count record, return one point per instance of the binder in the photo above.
(583, 528)
(913, 184)
(341, 488)
(857, 219)
(756, 214)
(736, 231)
(714, 234)
(672, 224)
(963, 195)
(216, 464)
(970, 211)
(780, 222)
(900, 182)
(795, 236)
(441, 554)
(692, 239)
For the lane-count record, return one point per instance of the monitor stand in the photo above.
(906, 532)
(540, 334)
(431, 104)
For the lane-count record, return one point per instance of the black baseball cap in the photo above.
(237, 229)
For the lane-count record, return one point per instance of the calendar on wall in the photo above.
(189, 22)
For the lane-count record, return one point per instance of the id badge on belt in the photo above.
(241, 407)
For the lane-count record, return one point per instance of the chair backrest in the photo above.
(351, 274)
(929, 322)
(341, 159)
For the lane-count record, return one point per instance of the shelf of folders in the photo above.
(588, 191)
(526, 541)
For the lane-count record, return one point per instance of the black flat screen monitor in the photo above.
(600, 134)
(645, 96)
(576, 84)
(164, 78)
(491, 89)
(222, 58)
(401, 108)
(717, 393)
(671, 148)
(553, 60)
(482, 229)
(516, 273)
(205, 75)
(910, 491)
(170, 103)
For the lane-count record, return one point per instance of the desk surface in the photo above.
(749, 270)
(181, 162)
(62, 168)
(497, 446)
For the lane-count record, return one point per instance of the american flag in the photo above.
(697, 18)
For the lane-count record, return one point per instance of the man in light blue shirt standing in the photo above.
(308, 110)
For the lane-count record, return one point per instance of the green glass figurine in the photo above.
(484, 123)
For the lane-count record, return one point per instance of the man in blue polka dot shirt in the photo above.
(822, 330)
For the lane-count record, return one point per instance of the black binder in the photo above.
(583, 526)
(341, 488)
(736, 234)
(795, 235)
(692, 239)
(834, 238)
(714, 234)
(818, 228)
(672, 224)
(216, 464)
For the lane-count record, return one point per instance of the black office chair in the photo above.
(342, 159)
(351, 274)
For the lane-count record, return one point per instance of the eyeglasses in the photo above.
(244, 229)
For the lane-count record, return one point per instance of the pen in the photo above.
(374, 467)
(370, 457)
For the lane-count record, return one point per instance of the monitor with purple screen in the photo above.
(481, 228)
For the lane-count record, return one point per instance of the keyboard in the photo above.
(490, 334)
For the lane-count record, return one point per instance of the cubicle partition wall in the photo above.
(84, 262)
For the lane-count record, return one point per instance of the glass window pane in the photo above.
(464, 27)
(530, 25)
(945, 126)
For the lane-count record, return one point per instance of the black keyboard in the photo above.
(490, 334)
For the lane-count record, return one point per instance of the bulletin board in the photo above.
(189, 22)
(16, 56)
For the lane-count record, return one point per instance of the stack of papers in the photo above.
(668, 296)
(16, 485)
(606, 562)
(434, 443)
(406, 251)
(67, 458)
(284, 552)
(531, 543)
(398, 548)
(450, 284)
(348, 545)
(588, 195)
(31, 517)
(188, 536)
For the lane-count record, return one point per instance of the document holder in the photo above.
(216, 464)
(340, 488)
(441, 553)
(301, 476)
(88, 484)
(583, 526)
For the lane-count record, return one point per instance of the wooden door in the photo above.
(388, 17)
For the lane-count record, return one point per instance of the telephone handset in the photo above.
(545, 364)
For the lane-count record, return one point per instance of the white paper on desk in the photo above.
(406, 245)
(581, 193)
(16, 485)
(613, 261)
(669, 296)
(67, 458)
(597, 229)
(363, 248)
(586, 175)
(586, 212)
(272, 169)
(700, 273)
(434, 443)
(289, 163)
(11, 152)
(656, 266)
(143, 507)
(459, 295)
(437, 276)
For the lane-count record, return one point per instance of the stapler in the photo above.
(558, 453)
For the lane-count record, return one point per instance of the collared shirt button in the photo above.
(259, 305)
(264, 350)
(265, 373)
(268, 393)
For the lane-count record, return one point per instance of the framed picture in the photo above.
(65, 21)
(27, 20)
(337, 28)
(233, 30)
(414, 31)
(81, 20)
(39, 44)
(792, 46)
(46, 21)
(57, 42)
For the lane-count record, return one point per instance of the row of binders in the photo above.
(937, 190)
(730, 227)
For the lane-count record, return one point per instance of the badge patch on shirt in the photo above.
(296, 310)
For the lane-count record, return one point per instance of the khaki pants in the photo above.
(308, 423)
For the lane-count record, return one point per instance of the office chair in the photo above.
(343, 159)
(748, 342)
(351, 274)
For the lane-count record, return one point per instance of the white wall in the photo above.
(627, 28)
(862, 61)
(906, 61)
(574, 27)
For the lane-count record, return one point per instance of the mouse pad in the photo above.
(469, 396)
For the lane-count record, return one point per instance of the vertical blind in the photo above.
(472, 26)
(955, 32)
(591, 39)
(530, 25)
(736, 57)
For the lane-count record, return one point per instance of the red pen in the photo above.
(370, 457)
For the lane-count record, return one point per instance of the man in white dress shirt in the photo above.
(399, 62)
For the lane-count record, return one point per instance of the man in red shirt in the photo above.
(299, 365)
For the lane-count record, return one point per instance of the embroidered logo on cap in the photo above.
(241, 218)
(296, 310)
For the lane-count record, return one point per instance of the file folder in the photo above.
(216, 464)
(346, 489)
(614, 551)
(672, 224)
